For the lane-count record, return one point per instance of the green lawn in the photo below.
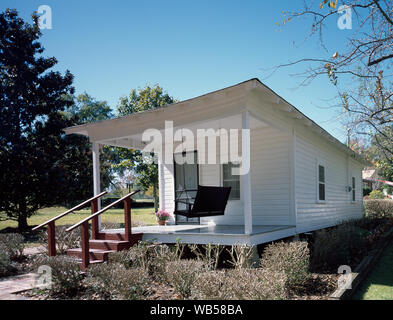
(144, 215)
(379, 285)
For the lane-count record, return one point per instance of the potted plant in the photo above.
(162, 217)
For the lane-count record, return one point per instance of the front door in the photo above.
(186, 183)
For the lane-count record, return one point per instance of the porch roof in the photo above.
(220, 103)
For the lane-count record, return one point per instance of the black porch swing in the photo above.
(209, 200)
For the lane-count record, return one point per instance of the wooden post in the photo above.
(246, 178)
(127, 218)
(85, 245)
(94, 221)
(51, 239)
(96, 176)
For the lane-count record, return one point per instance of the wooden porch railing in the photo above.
(85, 226)
(51, 223)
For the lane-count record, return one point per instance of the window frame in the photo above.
(321, 163)
(353, 189)
(239, 179)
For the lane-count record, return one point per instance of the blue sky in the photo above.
(188, 47)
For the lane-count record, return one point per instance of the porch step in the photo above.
(94, 254)
(135, 237)
(99, 249)
(108, 245)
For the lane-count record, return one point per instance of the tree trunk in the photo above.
(22, 217)
(22, 222)
(155, 195)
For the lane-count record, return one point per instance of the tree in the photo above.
(76, 160)
(31, 140)
(145, 168)
(86, 109)
(361, 72)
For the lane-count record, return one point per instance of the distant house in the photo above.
(300, 179)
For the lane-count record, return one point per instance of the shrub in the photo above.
(5, 261)
(151, 257)
(378, 208)
(242, 256)
(114, 281)
(66, 275)
(366, 191)
(341, 245)
(240, 284)
(182, 274)
(13, 243)
(291, 259)
(209, 254)
(64, 240)
(376, 194)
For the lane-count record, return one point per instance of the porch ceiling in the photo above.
(229, 122)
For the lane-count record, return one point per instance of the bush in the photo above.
(366, 191)
(66, 275)
(291, 259)
(242, 256)
(64, 240)
(14, 244)
(114, 281)
(5, 261)
(240, 284)
(182, 274)
(151, 257)
(376, 194)
(341, 245)
(378, 208)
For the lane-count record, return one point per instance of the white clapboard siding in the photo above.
(311, 214)
(270, 176)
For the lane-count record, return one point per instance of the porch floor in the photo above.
(219, 234)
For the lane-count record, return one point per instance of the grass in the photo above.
(379, 285)
(144, 215)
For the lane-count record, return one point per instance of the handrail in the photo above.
(79, 206)
(101, 211)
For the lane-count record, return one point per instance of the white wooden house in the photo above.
(300, 179)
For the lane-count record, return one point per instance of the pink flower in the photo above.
(162, 215)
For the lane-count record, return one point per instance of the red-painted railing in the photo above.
(84, 224)
(51, 223)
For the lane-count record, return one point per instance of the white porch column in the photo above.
(246, 178)
(96, 176)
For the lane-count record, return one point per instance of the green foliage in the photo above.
(366, 191)
(144, 166)
(341, 245)
(86, 109)
(376, 194)
(14, 244)
(291, 259)
(31, 140)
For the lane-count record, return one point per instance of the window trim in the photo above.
(222, 182)
(353, 189)
(321, 163)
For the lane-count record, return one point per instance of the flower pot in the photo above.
(161, 222)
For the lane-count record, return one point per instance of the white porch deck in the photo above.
(219, 234)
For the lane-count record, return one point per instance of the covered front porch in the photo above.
(260, 208)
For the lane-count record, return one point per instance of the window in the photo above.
(353, 189)
(321, 183)
(230, 180)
